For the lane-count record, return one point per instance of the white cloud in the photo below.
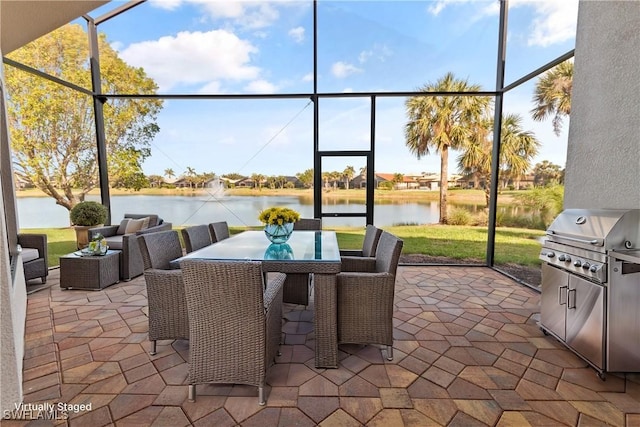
(342, 69)
(246, 14)
(211, 88)
(307, 77)
(437, 7)
(486, 7)
(297, 34)
(193, 58)
(379, 51)
(261, 86)
(554, 21)
(166, 4)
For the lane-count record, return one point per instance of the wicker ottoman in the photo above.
(89, 272)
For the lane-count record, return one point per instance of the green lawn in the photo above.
(513, 245)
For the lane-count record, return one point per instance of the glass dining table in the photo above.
(314, 252)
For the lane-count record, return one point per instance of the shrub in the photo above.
(459, 216)
(88, 213)
(481, 219)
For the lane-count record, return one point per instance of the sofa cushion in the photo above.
(136, 225)
(122, 228)
(153, 218)
(114, 242)
(29, 254)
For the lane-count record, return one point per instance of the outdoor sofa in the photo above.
(124, 237)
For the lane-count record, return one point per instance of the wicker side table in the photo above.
(89, 272)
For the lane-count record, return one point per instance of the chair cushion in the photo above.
(122, 228)
(153, 218)
(136, 225)
(114, 242)
(29, 254)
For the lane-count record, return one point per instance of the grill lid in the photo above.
(597, 229)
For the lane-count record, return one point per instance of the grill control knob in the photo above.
(578, 263)
(562, 257)
(586, 265)
(593, 268)
(550, 254)
(567, 258)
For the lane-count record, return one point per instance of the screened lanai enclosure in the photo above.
(342, 103)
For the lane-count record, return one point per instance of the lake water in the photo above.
(42, 212)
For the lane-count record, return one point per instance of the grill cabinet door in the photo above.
(553, 299)
(623, 325)
(585, 319)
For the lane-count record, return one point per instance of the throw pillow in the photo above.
(145, 223)
(122, 228)
(134, 225)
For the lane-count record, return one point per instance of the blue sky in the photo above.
(251, 47)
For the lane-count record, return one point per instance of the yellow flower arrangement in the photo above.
(278, 216)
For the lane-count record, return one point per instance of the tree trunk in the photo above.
(444, 183)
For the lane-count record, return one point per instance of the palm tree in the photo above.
(191, 173)
(348, 174)
(169, 173)
(335, 177)
(517, 150)
(552, 96)
(257, 180)
(398, 178)
(155, 180)
(326, 176)
(443, 122)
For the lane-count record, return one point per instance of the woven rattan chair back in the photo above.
(308, 224)
(196, 237)
(159, 249)
(165, 288)
(231, 339)
(219, 231)
(371, 238)
(388, 253)
(365, 300)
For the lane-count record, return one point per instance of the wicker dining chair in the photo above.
(369, 244)
(296, 287)
(234, 322)
(196, 237)
(308, 224)
(365, 297)
(219, 231)
(165, 287)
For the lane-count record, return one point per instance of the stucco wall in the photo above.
(13, 303)
(13, 294)
(603, 155)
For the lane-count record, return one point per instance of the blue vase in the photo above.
(278, 233)
(278, 251)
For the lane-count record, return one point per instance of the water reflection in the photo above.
(279, 251)
(241, 211)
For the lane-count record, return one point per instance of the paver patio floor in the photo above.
(467, 352)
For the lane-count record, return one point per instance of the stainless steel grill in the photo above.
(591, 286)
